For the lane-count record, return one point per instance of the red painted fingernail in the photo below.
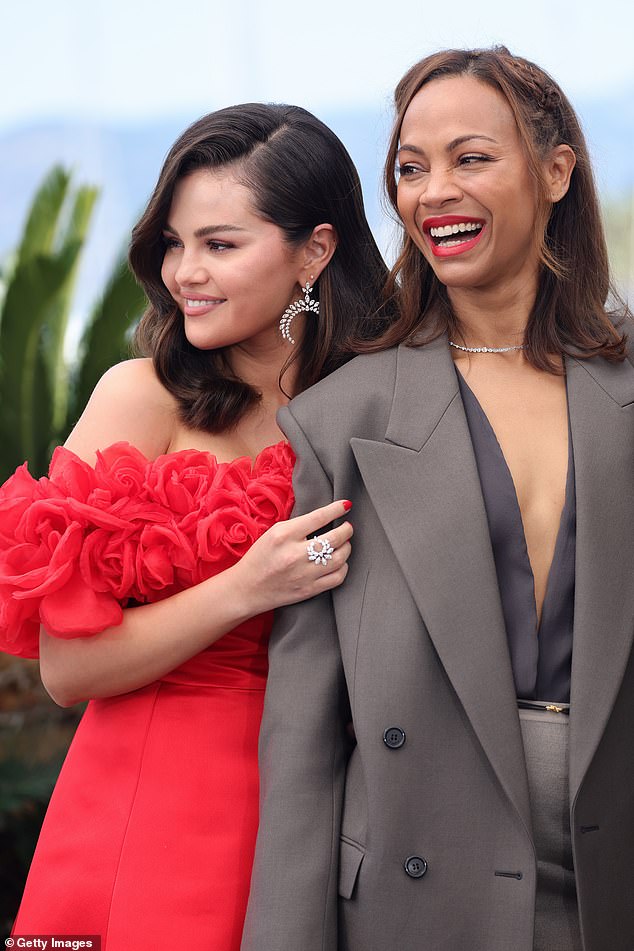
(347, 505)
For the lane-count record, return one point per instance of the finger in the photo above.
(340, 557)
(337, 536)
(311, 522)
(331, 580)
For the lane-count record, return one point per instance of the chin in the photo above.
(453, 279)
(203, 342)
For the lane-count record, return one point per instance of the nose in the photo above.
(440, 187)
(191, 269)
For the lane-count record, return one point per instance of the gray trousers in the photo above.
(546, 737)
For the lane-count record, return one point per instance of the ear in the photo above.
(318, 251)
(558, 167)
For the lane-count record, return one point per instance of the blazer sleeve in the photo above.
(293, 900)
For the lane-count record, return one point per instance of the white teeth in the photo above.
(447, 230)
(198, 303)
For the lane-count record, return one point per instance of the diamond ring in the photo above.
(321, 556)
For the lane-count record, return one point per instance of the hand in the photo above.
(276, 570)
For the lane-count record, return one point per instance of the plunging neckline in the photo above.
(518, 511)
(540, 648)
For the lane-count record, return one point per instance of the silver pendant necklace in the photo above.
(521, 346)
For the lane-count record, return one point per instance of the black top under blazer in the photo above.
(541, 655)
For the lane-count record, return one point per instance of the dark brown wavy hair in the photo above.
(300, 175)
(571, 313)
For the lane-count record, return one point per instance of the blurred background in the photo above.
(93, 95)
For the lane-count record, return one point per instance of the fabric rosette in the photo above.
(78, 546)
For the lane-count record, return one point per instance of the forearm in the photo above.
(155, 638)
(151, 640)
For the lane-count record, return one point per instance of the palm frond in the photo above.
(106, 339)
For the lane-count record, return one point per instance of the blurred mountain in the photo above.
(124, 161)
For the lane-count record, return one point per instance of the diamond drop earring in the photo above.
(307, 304)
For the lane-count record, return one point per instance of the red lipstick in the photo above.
(438, 243)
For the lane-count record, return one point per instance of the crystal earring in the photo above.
(307, 304)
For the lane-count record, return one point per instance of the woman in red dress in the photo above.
(157, 550)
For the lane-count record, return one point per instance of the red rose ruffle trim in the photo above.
(76, 547)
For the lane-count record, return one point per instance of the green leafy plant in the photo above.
(41, 391)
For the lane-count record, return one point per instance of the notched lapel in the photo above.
(425, 487)
(601, 399)
(616, 379)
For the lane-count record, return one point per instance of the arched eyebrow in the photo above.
(205, 232)
(454, 144)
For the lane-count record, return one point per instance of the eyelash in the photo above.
(213, 245)
(473, 157)
(403, 171)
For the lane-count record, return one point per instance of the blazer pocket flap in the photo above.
(350, 859)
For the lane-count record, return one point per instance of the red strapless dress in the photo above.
(149, 836)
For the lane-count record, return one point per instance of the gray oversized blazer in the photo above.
(415, 640)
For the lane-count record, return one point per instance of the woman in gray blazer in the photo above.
(481, 644)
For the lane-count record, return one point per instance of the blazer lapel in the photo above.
(424, 484)
(601, 400)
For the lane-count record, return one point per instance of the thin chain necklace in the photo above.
(521, 346)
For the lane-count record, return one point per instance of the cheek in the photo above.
(167, 274)
(525, 201)
(403, 204)
(535, 213)
(523, 225)
(272, 274)
(407, 205)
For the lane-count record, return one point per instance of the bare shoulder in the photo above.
(128, 404)
(135, 381)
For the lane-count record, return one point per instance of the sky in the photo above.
(127, 59)
(134, 62)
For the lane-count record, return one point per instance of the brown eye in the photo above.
(402, 171)
(472, 159)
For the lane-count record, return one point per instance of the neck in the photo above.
(491, 318)
(261, 365)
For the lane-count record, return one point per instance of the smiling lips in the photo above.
(449, 235)
(196, 306)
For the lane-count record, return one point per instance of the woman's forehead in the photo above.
(456, 106)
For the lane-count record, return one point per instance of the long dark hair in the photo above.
(300, 176)
(570, 314)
